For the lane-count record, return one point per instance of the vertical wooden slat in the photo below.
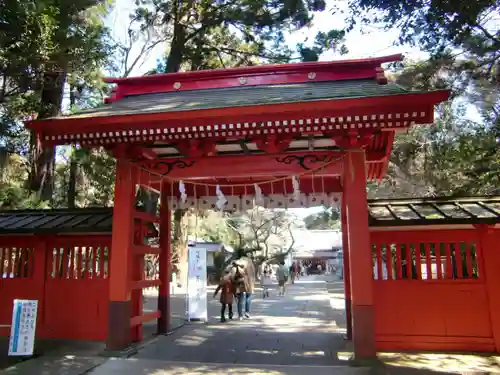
(64, 263)
(78, 263)
(71, 262)
(2, 261)
(388, 255)
(31, 267)
(85, 260)
(12, 261)
(409, 262)
(399, 268)
(468, 259)
(58, 263)
(378, 255)
(94, 261)
(22, 262)
(106, 262)
(479, 259)
(90, 263)
(418, 260)
(101, 262)
(458, 260)
(17, 263)
(26, 262)
(438, 261)
(449, 263)
(428, 261)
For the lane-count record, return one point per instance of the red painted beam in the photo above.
(250, 76)
(264, 165)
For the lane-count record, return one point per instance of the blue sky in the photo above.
(372, 42)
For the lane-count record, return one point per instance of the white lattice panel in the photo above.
(233, 203)
(173, 203)
(318, 199)
(275, 201)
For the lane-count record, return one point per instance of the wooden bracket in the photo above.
(197, 148)
(129, 151)
(380, 76)
(273, 144)
(353, 140)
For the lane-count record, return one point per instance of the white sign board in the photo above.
(22, 331)
(197, 284)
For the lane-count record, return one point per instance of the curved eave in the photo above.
(87, 123)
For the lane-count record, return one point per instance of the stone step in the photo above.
(133, 366)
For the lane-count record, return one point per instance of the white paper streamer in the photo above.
(182, 190)
(296, 188)
(258, 194)
(221, 199)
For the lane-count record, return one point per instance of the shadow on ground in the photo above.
(152, 367)
(299, 329)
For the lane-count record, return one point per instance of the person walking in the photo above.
(244, 279)
(266, 281)
(226, 298)
(282, 275)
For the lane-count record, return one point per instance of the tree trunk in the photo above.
(73, 172)
(180, 245)
(174, 59)
(43, 158)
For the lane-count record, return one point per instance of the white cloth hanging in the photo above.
(221, 199)
(259, 199)
(182, 190)
(296, 188)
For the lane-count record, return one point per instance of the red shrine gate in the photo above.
(244, 131)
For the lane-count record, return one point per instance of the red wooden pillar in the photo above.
(346, 271)
(164, 262)
(360, 255)
(136, 269)
(120, 309)
(490, 255)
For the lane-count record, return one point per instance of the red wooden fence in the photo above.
(431, 290)
(67, 275)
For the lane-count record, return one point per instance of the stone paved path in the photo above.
(286, 335)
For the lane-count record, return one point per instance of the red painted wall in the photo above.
(427, 307)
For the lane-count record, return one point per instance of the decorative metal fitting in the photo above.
(311, 75)
(177, 85)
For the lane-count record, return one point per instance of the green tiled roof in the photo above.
(243, 96)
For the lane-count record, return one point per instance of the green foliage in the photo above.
(327, 218)
(462, 39)
(332, 40)
(208, 34)
(44, 45)
(13, 194)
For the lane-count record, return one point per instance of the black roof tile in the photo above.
(382, 213)
(191, 100)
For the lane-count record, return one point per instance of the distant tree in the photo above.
(263, 234)
(328, 218)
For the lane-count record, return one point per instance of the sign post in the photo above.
(22, 331)
(197, 284)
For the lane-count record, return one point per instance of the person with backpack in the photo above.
(282, 275)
